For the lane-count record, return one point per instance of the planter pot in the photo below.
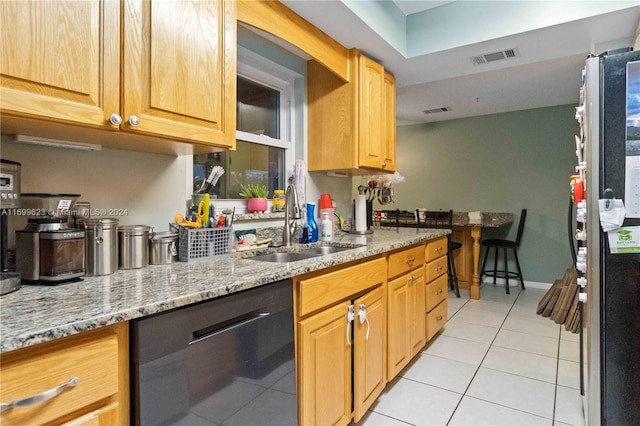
(257, 205)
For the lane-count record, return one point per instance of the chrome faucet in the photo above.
(291, 214)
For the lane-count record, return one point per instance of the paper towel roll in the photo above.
(361, 213)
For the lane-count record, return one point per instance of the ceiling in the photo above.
(428, 46)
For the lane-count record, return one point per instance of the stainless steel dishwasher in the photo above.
(228, 361)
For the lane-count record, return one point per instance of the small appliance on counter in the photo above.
(9, 199)
(49, 252)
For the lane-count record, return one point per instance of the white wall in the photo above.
(151, 187)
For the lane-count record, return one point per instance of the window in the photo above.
(264, 147)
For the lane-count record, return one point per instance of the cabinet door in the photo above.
(417, 301)
(324, 368)
(371, 112)
(60, 60)
(102, 417)
(398, 322)
(389, 142)
(179, 69)
(370, 338)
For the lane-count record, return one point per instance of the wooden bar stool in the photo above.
(504, 245)
(444, 220)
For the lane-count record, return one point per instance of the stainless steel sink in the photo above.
(284, 257)
(319, 251)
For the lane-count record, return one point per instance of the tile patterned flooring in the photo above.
(495, 363)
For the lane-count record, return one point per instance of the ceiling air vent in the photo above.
(436, 110)
(495, 56)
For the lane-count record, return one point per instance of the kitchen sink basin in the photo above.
(284, 257)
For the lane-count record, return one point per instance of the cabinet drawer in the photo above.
(436, 292)
(435, 268)
(436, 319)
(328, 289)
(31, 371)
(436, 249)
(405, 260)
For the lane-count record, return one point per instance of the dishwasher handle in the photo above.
(207, 332)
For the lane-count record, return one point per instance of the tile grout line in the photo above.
(483, 358)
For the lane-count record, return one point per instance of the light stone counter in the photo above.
(36, 313)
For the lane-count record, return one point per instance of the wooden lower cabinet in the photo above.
(406, 307)
(94, 364)
(341, 357)
(406, 296)
(437, 285)
(369, 345)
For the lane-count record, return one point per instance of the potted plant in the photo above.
(256, 196)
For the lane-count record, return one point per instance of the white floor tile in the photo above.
(472, 411)
(567, 335)
(528, 312)
(454, 304)
(569, 373)
(521, 363)
(530, 297)
(520, 393)
(544, 328)
(469, 331)
(532, 343)
(440, 372)
(375, 419)
(457, 349)
(489, 305)
(478, 316)
(497, 293)
(286, 384)
(569, 350)
(569, 406)
(416, 403)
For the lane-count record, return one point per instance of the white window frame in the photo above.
(270, 74)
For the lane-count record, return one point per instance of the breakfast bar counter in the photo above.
(467, 259)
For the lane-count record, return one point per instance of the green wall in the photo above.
(500, 163)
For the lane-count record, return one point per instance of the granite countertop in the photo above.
(489, 220)
(36, 313)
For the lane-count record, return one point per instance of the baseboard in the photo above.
(516, 283)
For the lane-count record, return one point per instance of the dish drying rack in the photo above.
(201, 243)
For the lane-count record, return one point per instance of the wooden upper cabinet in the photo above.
(389, 143)
(61, 60)
(179, 69)
(350, 123)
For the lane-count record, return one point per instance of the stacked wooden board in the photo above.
(560, 303)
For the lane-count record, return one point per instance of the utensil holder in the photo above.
(201, 243)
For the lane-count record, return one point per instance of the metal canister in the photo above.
(101, 245)
(163, 248)
(133, 246)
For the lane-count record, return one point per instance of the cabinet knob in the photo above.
(409, 261)
(384, 165)
(134, 121)
(115, 119)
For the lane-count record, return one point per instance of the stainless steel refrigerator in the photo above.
(610, 358)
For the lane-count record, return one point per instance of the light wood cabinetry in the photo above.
(406, 308)
(328, 337)
(437, 286)
(99, 395)
(351, 123)
(61, 62)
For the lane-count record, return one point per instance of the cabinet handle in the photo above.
(134, 121)
(411, 278)
(439, 318)
(409, 261)
(362, 315)
(115, 119)
(439, 291)
(350, 317)
(439, 268)
(41, 397)
(384, 164)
